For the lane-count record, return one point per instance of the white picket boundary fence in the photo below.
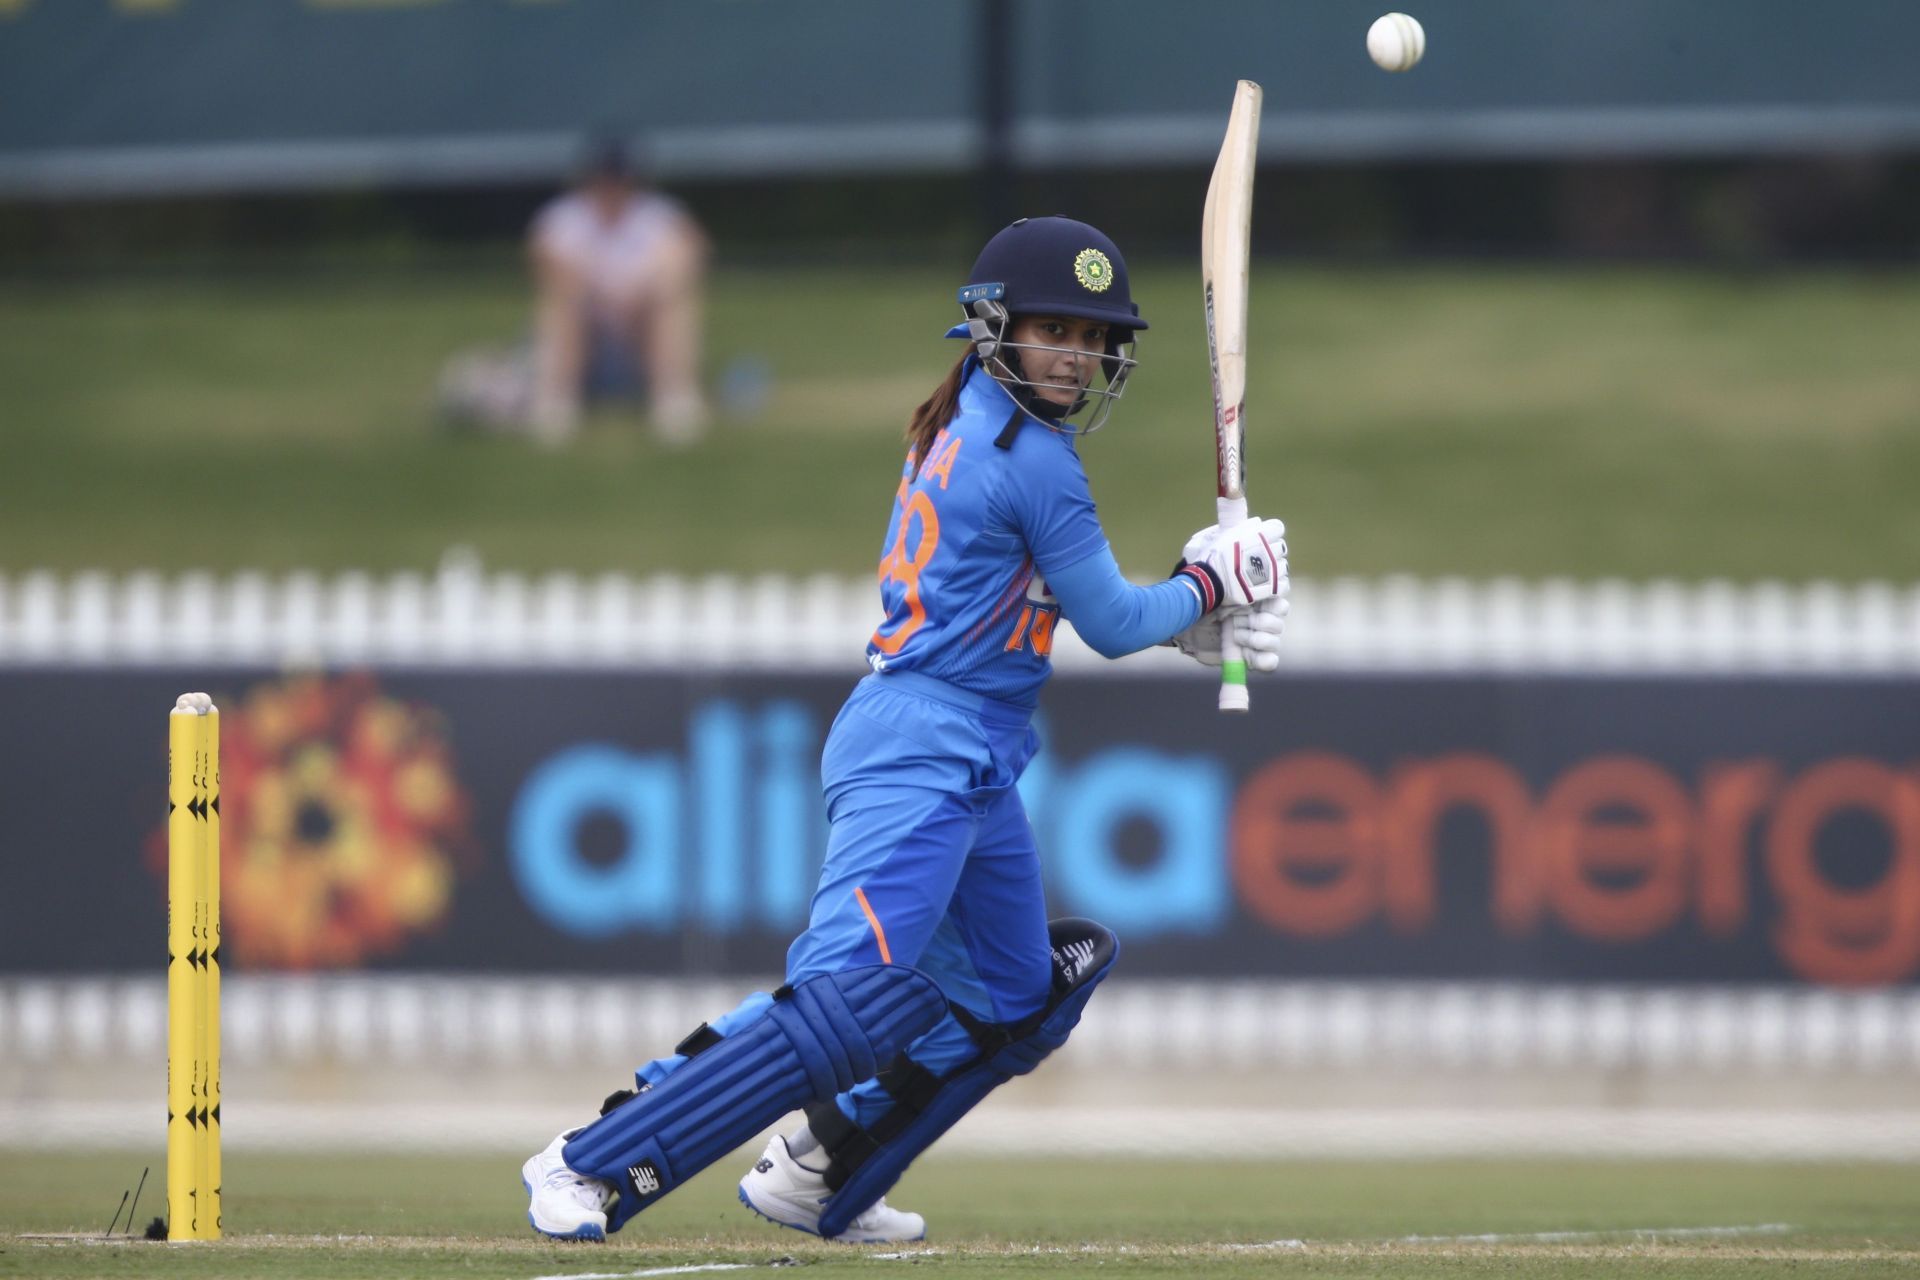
(464, 615)
(497, 1021)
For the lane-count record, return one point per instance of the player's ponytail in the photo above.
(935, 412)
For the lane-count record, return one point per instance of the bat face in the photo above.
(1224, 236)
(1226, 414)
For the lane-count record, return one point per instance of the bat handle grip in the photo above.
(1233, 663)
(1233, 677)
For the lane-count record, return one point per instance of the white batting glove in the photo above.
(1199, 544)
(1257, 630)
(1241, 566)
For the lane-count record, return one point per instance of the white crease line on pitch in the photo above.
(1560, 1237)
(650, 1271)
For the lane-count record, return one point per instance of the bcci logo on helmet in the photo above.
(1093, 270)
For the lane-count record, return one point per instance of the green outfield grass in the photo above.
(332, 1216)
(1479, 421)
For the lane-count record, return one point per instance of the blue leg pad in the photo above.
(816, 1039)
(865, 1163)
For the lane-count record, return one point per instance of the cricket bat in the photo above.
(1224, 230)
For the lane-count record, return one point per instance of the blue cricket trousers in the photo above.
(930, 859)
(930, 862)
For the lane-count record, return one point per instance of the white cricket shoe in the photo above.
(781, 1189)
(564, 1204)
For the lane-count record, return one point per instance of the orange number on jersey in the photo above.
(898, 566)
(1042, 633)
(1036, 627)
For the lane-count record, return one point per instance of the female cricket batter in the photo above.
(928, 973)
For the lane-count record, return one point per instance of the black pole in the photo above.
(994, 66)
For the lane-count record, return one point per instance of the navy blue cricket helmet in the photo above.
(1055, 266)
(1050, 266)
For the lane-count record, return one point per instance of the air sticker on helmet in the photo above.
(1093, 270)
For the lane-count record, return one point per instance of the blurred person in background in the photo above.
(620, 288)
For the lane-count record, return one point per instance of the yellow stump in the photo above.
(193, 970)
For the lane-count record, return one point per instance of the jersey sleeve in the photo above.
(1114, 616)
(1052, 505)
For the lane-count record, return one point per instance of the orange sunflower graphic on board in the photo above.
(341, 823)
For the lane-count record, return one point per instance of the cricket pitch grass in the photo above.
(332, 1216)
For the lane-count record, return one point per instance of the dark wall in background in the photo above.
(218, 95)
(213, 131)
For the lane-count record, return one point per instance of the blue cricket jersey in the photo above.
(981, 541)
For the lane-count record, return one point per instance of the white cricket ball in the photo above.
(1396, 41)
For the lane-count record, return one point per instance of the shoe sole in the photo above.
(585, 1231)
(756, 1211)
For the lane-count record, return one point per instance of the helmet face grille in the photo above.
(987, 330)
